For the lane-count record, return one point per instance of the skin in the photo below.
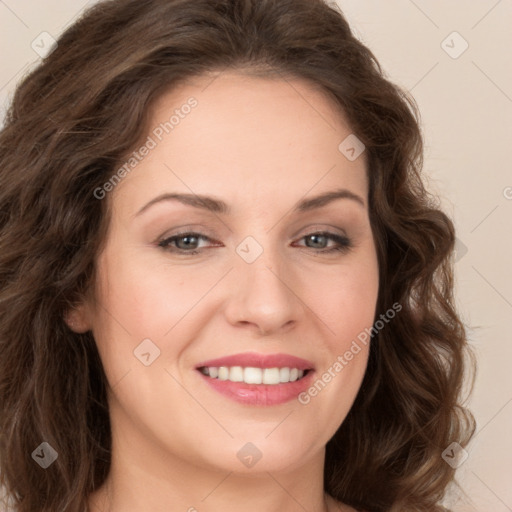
(260, 145)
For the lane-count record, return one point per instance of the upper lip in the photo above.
(256, 360)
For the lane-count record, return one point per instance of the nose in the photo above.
(264, 295)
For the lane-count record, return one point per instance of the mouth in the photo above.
(258, 379)
(252, 375)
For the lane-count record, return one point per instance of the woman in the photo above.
(223, 284)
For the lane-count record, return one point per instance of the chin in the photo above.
(261, 455)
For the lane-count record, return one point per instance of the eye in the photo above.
(183, 242)
(188, 242)
(319, 241)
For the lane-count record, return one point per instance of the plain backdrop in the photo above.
(454, 56)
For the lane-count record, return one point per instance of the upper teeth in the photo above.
(251, 375)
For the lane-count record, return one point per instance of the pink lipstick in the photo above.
(258, 379)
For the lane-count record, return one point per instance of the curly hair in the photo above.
(70, 123)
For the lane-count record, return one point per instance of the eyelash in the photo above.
(345, 244)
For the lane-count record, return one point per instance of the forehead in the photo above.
(258, 106)
(246, 136)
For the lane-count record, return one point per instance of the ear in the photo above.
(78, 319)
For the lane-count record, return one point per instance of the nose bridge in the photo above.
(263, 296)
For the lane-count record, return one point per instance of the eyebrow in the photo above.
(215, 205)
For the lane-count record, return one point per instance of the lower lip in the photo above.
(260, 394)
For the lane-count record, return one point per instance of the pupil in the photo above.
(315, 238)
(186, 240)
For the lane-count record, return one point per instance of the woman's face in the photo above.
(257, 282)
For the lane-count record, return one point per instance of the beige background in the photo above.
(466, 106)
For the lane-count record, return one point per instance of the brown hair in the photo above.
(71, 121)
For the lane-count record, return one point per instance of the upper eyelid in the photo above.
(205, 231)
(202, 233)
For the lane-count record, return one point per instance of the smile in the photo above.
(251, 375)
(257, 379)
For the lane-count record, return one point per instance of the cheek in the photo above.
(347, 304)
(139, 300)
(347, 301)
(132, 306)
(145, 299)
